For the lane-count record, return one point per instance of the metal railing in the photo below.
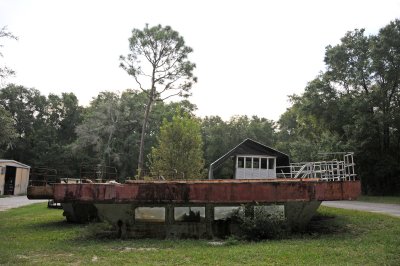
(97, 173)
(42, 176)
(338, 169)
(171, 174)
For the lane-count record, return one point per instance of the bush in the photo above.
(260, 224)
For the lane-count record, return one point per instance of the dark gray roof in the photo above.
(250, 147)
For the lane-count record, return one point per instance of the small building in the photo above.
(14, 177)
(253, 160)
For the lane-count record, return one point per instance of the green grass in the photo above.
(381, 199)
(37, 235)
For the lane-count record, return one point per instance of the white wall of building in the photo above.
(255, 167)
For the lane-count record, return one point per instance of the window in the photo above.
(189, 214)
(256, 163)
(248, 162)
(240, 162)
(263, 163)
(224, 213)
(150, 214)
(271, 163)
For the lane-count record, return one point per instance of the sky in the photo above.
(250, 55)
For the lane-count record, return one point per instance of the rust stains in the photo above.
(207, 191)
(40, 192)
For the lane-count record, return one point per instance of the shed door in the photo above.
(9, 180)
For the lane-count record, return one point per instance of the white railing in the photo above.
(340, 168)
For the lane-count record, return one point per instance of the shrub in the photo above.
(260, 224)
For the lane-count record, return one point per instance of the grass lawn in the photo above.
(37, 235)
(381, 199)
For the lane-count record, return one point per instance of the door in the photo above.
(9, 180)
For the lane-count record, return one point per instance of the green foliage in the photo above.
(44, 126)
(56, 132)
(5, 72)
(261, 224)
(97, 133)
(158, 61)
(353, 106)
(178, 153)
(166, 55)
(110, 131)
(7, 132)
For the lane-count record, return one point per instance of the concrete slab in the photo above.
(390, 209)
(15, 202)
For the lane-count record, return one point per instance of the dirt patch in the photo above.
(133, 249)
(216, 243)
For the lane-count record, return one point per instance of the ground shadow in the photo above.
(320, 225)
(325, 225)
(62, 224)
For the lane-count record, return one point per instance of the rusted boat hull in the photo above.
(118, 203)
(220, 192)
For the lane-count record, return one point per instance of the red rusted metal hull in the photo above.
(208, 191)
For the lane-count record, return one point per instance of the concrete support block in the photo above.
(80, 212)
(120, 215)
(169, 221)
(298, 214)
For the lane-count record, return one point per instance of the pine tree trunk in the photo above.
(141, 148)
(145, 122)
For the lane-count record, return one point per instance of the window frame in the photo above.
(260, 158)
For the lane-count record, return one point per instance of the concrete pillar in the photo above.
(169, 221)
(209, 219)
(121, 215)
(169, 214)
(298, 214)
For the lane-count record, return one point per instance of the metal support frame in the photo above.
(338, 169)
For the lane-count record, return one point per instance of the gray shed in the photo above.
(14, 177)
(253, 160)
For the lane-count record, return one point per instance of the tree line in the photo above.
(56, 132)
(353, 105)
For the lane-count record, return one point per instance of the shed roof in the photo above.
(249, 147)
(21, 165)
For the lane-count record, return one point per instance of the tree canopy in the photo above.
(7, 132)
(353, 105)
(179, 151)
(5, 72)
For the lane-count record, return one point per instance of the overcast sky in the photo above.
(250, 55)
